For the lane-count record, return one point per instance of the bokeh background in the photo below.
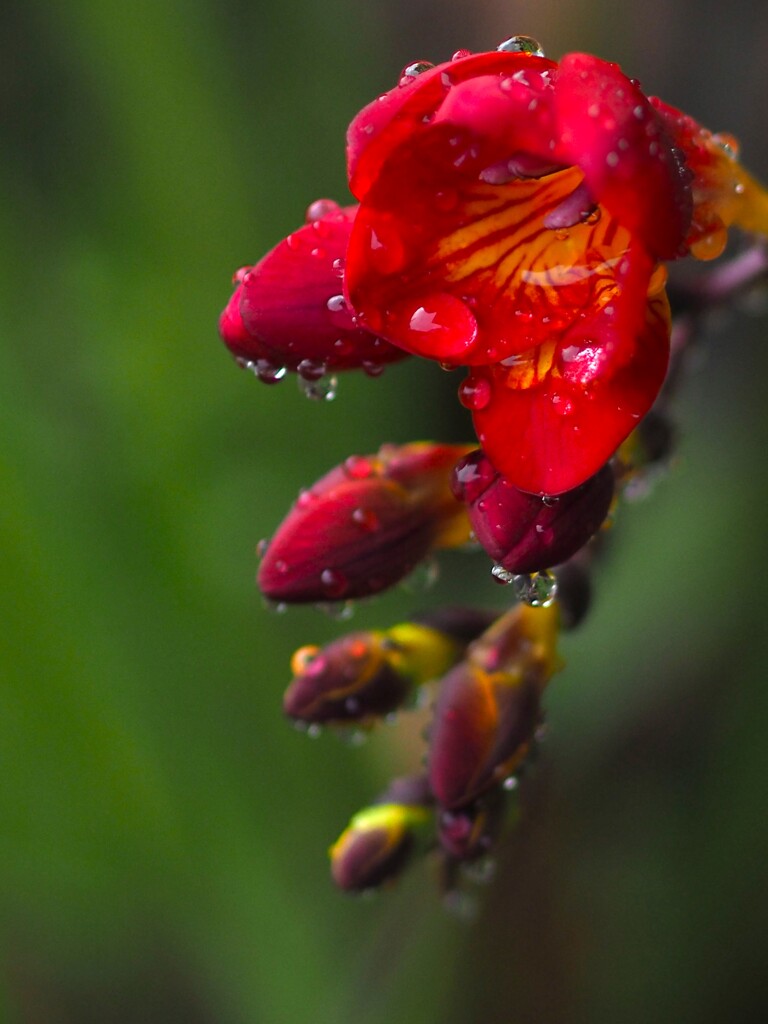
(162, 829)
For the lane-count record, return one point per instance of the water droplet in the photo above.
(320, 208)
(612, 159)
(278, 607)
(338, 266)
(460, 54)
(358, 467)
(261, 547)
(336, 304)
(711, 244)
(371, 369)
(438, 326)
(538, 589)
(521, 44)
(475, 392)
(319, 389)
(305, 498)
(510, 783)
(563, 406)
(339, 611)
(303, 658)
(335, 583)
(366, 519)
(268, 373)
(314, 730)
(412, 71)
(502, 575)
(386, 251)
(352, 737)
(311, 369)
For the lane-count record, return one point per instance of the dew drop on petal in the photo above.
(320, 208)
(437, 326)
(412, 71)
(366, 519)
(338, 266)
(538, 589)
(521, 44)
(475, 392)
(460, 54)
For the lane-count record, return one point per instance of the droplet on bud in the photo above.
(412, 71)
(538, 589)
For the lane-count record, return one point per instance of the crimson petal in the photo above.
(611, 131)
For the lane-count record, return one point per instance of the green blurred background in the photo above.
(162, 829)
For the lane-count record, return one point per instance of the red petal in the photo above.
(613, 134)
(553, 436)
(292, 309)
(381, 127)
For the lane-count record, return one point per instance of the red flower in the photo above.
(513, 216)
(513, 213)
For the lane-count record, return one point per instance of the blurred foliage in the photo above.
(162, 852)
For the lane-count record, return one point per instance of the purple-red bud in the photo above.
(523, 532)
(365, 525)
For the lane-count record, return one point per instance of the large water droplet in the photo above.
(311, 369)
(521, 44)
(339, 611)
(538, 589)
(475, 392)
(437, 326)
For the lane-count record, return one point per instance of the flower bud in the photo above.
(367, 674)
(469, 833)
(289, 310)
(366, 525)
(376, 845)
(524, 532)
(488, 706)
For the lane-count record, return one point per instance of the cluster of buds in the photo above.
(515, 217)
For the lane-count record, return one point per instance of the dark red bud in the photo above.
(376, 845)
(527, 532)
(365, 525)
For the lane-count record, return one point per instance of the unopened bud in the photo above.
(289, 309)
(376, 845)
(526, 533)
(366, 525)
(488, 706)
